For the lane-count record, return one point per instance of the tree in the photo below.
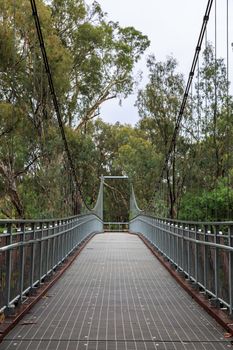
(91, 60)
(158, 106)
(214, 106)
(103, 53)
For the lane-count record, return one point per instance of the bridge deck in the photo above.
(116, 296)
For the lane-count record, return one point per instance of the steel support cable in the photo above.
(228, 111)
(215, 106)
(187, 89)
(206, 115)
(189, 83)
(12, 117)
(54, 98)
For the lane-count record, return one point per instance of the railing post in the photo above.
(53, 250)
(168, 250)
(56, 245)
(230, 243)
(62, 240)
(32, 255)
(22, 258)
(216, 262)
(176, 230)
(67, 235)
(177, 246)
(188, 257)
(160, 236)
(41, 251)
(8, 267)
(171, 241)
(70, 234)
(47, 242)
(62, 227)
(60, 243)
(196, 254)
(155, 237)
(205, 257)
(182, 247)
(74, 230)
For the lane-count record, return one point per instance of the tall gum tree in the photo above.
(158, 105)
(104, 55)
(91, 61)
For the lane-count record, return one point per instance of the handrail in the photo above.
(203, 251)
(32, 249)
(185, 221)
(31, 221)
(24, 243)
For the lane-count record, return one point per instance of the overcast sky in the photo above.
(173, 28)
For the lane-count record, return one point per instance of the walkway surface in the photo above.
(116, 296)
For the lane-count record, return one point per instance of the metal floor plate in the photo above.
(116, 296)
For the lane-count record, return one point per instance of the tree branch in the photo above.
(102, 98)
(25, 170)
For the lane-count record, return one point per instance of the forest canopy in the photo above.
(92, 61)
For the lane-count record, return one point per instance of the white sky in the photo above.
(173, 27)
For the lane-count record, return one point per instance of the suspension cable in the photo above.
(228, 112)
(13, 109)
(189, 82)
(206, 117)
(215, 110)
(54, 98)
(186, 93)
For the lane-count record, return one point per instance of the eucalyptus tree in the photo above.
(214, 106)
(103, 57)
(91, 61)
(158, 104)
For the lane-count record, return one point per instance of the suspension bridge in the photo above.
(79, 282)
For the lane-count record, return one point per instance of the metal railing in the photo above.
(116, 226)
(31, 249)
(203, 251)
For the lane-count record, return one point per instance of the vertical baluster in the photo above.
(182, 264)
(22, 259)
(32, 265)
(41, 251)
(8, 267)
(216, 262)
(230, 243)
(196, 254)
(53, 240)
(205, 257)
(189, 260)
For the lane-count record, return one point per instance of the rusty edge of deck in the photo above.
(219, 315)
(11, 321)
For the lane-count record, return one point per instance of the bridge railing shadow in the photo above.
(30, 250)
(203, 251)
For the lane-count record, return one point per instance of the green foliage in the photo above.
(103, 55)
(92, 61)
(213, 205)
